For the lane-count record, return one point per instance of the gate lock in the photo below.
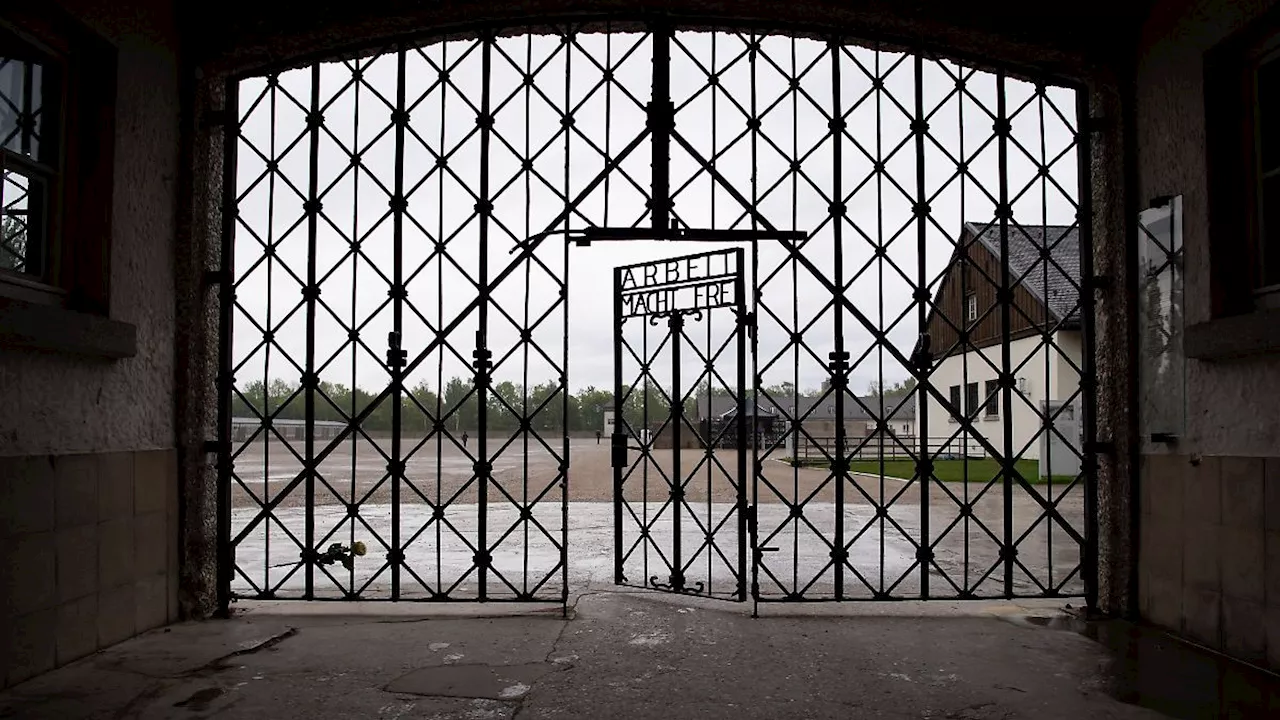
(618, 444)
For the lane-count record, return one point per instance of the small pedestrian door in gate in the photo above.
(679, 446)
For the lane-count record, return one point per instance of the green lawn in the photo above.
(979, 470)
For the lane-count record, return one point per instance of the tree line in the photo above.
(457, 408)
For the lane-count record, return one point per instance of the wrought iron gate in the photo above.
(395, 372)
(681, 527)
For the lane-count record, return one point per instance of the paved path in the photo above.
(631, 655)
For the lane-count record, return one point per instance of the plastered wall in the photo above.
(1233, 408)
(1209, 561)
(56, 403)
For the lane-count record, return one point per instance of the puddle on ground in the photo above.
(200, 699)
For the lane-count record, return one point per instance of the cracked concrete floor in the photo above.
(620, 655)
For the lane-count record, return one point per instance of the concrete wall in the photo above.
(1209, 560)
(1058, 382)
(87, 468)
(87, 544)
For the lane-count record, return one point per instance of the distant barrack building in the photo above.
(815, 418)
(242, 428)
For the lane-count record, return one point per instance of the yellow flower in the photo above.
(358, 549)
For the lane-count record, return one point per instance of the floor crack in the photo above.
(220, 663)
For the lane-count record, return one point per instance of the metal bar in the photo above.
(226, 320)
(1089, 380)
(313, 219)
(660, 120)
(676, 490)
(619, 468)
(598, 234)
(564, 480)
(482, 354)
(795, 310)
(355, 278)
(756, 380)
(565, 397)
(923, 472)
(838, 555)
(395, 353)
(1005, 299)
(440, 387)
(741, 349)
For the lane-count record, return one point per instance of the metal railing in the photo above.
(815, 451)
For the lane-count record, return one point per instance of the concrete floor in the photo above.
(641, 655)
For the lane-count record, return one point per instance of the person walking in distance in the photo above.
(464, 439)
(597, 437)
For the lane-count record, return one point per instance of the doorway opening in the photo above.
(890, 404)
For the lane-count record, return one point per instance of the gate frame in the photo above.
(223, 276)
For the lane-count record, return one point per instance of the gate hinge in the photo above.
(213, 446)
(216, 118)
(1100, 447)
(748, 321)
(216, 277)
(1097, 124)
(618, 444)
(396, 356)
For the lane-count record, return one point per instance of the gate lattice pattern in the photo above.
(396, 219)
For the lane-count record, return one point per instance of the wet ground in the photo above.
(961, 525)
(640, 655)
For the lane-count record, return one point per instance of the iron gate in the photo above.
(659, 501)
(395, 371)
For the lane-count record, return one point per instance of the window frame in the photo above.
(991, 403)
(956, 395)
(972, 399)
(77, 237)
(1233, 155)
(45, 167)
(971, 308)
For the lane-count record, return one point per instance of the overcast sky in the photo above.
(441, 200)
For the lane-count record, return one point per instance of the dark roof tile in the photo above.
(1055, 283)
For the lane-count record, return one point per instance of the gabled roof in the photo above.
(1061, 292)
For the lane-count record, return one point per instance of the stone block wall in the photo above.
(1209, 557)
(88, 554)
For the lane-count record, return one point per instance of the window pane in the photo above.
(971, 398)
(22, 115)
(993, 398)
(21, 247)
(955, 398)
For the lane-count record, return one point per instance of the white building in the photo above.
(965, 328)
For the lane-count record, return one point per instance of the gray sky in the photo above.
(442, 201)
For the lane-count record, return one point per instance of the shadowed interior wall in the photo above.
(1210, 511)
(88, 476)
